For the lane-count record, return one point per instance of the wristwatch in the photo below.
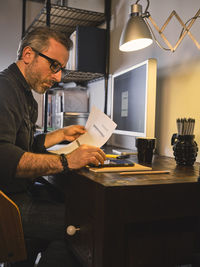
(64, 162)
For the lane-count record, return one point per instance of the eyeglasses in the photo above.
(55, 66)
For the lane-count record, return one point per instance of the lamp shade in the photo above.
(136, 35)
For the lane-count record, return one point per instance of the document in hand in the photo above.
(99, 129)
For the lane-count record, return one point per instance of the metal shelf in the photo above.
(78, 76)
(66, 19)
(38, 1)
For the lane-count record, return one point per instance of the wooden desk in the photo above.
(132, 221)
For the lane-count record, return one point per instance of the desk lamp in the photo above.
(138, 33)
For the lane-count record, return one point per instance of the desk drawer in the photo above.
(80, 214)
(82, 243)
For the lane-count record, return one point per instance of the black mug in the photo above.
(145, 148)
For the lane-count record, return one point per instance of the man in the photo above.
(42, 55)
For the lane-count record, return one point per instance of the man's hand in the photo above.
(85, 155)
(69, 133)
(73, 132)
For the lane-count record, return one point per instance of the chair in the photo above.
(12, 244)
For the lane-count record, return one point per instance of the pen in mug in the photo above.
(185, 126)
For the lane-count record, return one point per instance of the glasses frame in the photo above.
(52, 62)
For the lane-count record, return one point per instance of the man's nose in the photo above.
(57, 76)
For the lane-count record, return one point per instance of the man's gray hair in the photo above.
(38, 39)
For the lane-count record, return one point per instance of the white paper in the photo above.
(99, 129)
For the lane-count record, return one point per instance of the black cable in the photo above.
(146, 9)
(196, 17)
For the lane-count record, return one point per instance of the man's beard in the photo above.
(35, 81)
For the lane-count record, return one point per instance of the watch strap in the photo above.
(64, 163)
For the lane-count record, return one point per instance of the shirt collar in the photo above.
(19, 76)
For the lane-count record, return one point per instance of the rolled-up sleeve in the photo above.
(10, 119)
(9, 160)
(38, 144)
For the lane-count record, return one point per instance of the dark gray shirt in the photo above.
(18, 115)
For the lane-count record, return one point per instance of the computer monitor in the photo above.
(133, 103)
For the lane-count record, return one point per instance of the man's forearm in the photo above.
(32, 165)
(53, 138)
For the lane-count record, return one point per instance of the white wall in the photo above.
(11, 33)
(178, 89)
(10, 30)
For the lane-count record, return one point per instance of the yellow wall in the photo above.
(178, 96)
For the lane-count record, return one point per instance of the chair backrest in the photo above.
(12, 244)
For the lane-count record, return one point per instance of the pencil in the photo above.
(111, 156)
(144, 172)
(78, 143)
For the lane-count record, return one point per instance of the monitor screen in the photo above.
(133, 103)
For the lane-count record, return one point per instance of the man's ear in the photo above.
(27, 54)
